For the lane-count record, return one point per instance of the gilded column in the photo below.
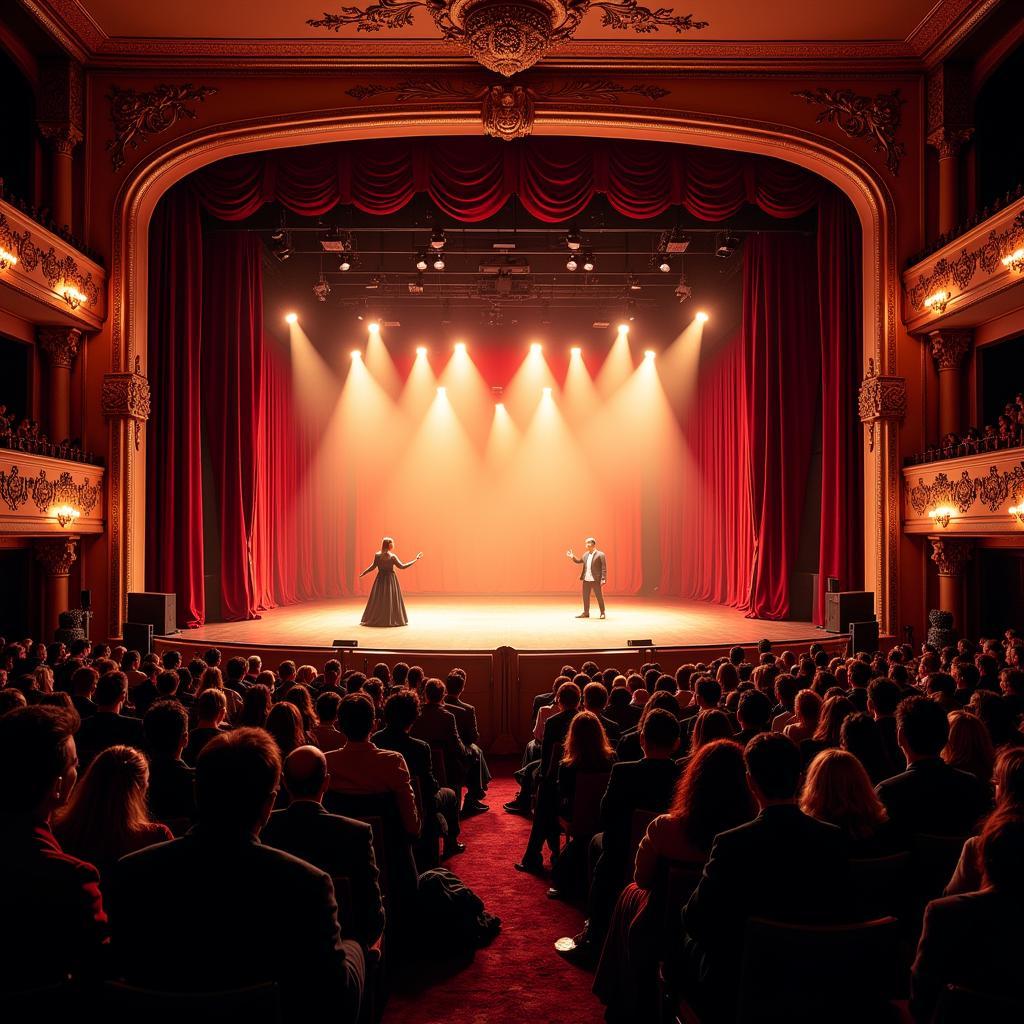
(949, 128)
(948, 350)
(56, 557)
(60, 123)
(951, 557)
(60, 346)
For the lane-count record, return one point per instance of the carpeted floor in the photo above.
(519, 977)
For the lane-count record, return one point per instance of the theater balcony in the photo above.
(974, 277)
(44, 277)
(42, 496)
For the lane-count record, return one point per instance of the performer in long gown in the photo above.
(384, 606)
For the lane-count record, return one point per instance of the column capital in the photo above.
(60, 344)
(63, 136)
(950, 119)
(880, 398)
(57, 556)
(951, 556)
(949, 348)
(59, 114)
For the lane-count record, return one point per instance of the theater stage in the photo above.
(522, 623)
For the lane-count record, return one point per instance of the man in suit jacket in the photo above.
(216, 909)
(171, 794)
(107, 727)
(782, 865)
(53, 919)
(930, 797)
(436, 725)
(478, 776)
(593, 575)
(334, 843)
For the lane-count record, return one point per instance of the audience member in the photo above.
(107, 726)
(171, 780)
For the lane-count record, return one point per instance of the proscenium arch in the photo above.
(151, 179)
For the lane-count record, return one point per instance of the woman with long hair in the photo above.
(384, 606)
(969, 746)
(806, 712)
(838, 790)
(212, 679)
(284, 723)
(833, 713)
(1008, 777)
(105, 817)
(709, 725)
(299, 696)
(712, 796)
(256, 705)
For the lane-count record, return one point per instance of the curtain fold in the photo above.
(174, 520)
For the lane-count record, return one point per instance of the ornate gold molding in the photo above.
(16, 490)
(949, 348)
(993, 490)
(126, 396)
(862, 117)
(950, 556)
(880, 398)
(56, 556)
(138, 115)
(60, 344)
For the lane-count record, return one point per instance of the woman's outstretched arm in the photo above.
(369, 568)
(405, 565)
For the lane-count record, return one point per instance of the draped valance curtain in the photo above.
(216, 372)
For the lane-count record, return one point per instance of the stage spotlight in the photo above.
(634, 284)
(421, 262)
(291, 318)
(575, 351)
(571, 263)
(535, 348)
(623, 328)
(421, 350)
(460, 347)
(441, 392)
(356, 354)
(321, 289)
(649, 354)
(345, 265)
(727, 246)
(439, 262)
(373, 326)
(702, 317)
(573, 239)
(547, 392)
(665, 265)
(283, 250)
(499, 407)
(437, 237)
(588, 262)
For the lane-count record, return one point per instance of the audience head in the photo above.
(11, 698)
(921, 727)
(211, 708)
(38, 761)
(709, 725)
(838, 790)
(237, 776)
(969, 746)
(284, 723)
(773, 768)
(586, 745)
(433, 691)
(712, 794)
(257, 702)
(568, 696)
(708, 692)
(166, 728)
(401, 710)
(327, 707)
(355, 717)
(595, 697)
(659, 733)
(754, 710)
(833, 712)
(305, 773)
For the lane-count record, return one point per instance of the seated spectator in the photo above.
(106, 816)
(883, 697)
(83, 689)
(941, 687)
(256, 704)
(753, 713)
(211, 710)
(300, 697)
(783, 865)
(107, 727)
(326, 733)
(595, 699)
(860, 736)
(436, 725)
(10, 698)
(709, 726)
(974, 939)
(838, 790)
(234, 675)
(930, 797)
(629, 747)
(361, 767)
(999, 718)
(969, 746)
(478, 776)
(1008, 778)
(212, 679)
(830, 723)
(178, 926)
(171, 780)
(331, 842)
(785, 688)
(284, 723)
(806, 715)
(253, 667)
(54, 924)
(712, 796)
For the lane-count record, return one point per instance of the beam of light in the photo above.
(702, 317)
(380, 364)
(356, 354)
(291, 318)
(502, 440)
(575, 352)
(579, 396)
(421, 351)
(373, 327)
(649, 354)
(680, 366)
(312, 377)
(460, 348)
(536, 348)
(442, 392)
(531, 376)
(419, 388)
(617, 366)
(469, 394)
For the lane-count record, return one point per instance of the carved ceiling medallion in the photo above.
(507, 36)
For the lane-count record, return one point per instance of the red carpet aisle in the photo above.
(519, 977)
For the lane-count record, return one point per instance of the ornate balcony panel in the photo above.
(41, 496)
(45, 278)
(972, 495)
(967, 282)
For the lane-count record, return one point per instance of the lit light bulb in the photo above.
(702, 317)
(623, 328)
(291, 318)
(535, 348)
(356, 354)
(649, 354)
(460, 347)
(576, 351)
(421, 350)
(373, 326)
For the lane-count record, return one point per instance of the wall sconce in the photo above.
(1015, 261)
(941, 515)
(66, 515)
(7, 259)
(1017, 511)
(936, 302)
(72, 296)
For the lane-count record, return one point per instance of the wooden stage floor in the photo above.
(485, 624)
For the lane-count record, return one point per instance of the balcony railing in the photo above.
(971, 495)
(40, 495)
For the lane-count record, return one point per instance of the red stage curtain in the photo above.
(174, 520)
(471, 179)
(839, 291)
(232, 366)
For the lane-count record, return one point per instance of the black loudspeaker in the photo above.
(848, 606)
(86, 603)
(639, 643)
(159, 610)
(138, 636)
(345, 643)
(864, 637)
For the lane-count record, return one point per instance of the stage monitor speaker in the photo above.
(640, 643)
(138, 636)
(864, 637)
(159, 610)
(848, 606)
(832, 585)
(345, 643)
(86, 603)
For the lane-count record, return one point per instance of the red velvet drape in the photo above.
(174, 520)
(471, 179)
(232, 364)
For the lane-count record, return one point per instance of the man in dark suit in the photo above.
(83, 688)
(107, 727)
(171, 794)
(883, 699)
(53, 919)
(436, 726)
(974, 939)
(593, 575)
(477, 775)
(930, 797)
(332, 842)
(783, 865)
(400, 712)
(181, 923)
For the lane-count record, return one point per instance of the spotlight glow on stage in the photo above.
(623, 328)
(575, 351)
(373, 326)
(421, 350)
(546, 392)
(291, 318)
(356, 354)
(460, 348)
(441, 392)
(702, 317)
(499, 407)
(536, 348)
(649, 354)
